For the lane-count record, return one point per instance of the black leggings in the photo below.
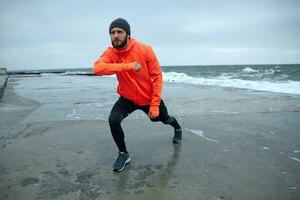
(123, 107)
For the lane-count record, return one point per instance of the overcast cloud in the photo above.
(37, 34)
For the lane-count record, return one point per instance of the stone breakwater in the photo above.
(3, 81)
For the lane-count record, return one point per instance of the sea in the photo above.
(280, 78)
(272, 78)
(76, 94)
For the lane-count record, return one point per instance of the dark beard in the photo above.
(121, 45)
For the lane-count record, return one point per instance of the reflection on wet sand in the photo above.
(147, 181)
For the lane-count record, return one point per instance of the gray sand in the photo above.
(237, 145)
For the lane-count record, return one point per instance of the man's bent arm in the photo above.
(102, 68)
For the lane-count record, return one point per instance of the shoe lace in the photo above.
(120, 157)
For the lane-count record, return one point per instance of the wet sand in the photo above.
(237, 145)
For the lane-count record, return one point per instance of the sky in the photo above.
(52, 34)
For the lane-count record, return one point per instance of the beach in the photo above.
(238, 144)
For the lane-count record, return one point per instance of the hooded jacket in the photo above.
(143, 87)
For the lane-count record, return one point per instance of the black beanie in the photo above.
(120, 23)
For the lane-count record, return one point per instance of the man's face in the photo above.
(118, 38)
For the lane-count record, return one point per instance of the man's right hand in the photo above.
(137, 67)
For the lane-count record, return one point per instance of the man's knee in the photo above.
(114, 119)
(169, 120)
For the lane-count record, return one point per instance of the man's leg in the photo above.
(120, 110)
(165, 118)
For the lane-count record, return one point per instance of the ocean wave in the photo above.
(290, 87)
(249, 70)
(262, 74)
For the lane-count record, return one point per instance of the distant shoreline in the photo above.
(85, 71)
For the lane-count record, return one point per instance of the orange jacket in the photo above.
(143, 87)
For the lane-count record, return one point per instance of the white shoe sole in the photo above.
(126, 162)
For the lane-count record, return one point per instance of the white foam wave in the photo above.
(290, 87)
(270, 71)
(296, 159)
(249, 70)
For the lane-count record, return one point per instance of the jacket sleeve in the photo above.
(106, 66)
(156, 77)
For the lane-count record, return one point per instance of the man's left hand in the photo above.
(153, 112)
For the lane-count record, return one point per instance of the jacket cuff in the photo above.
(154, 111)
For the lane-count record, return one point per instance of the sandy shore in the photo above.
(237, 145)
(3, 82)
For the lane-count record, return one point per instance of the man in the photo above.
(140, 84)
